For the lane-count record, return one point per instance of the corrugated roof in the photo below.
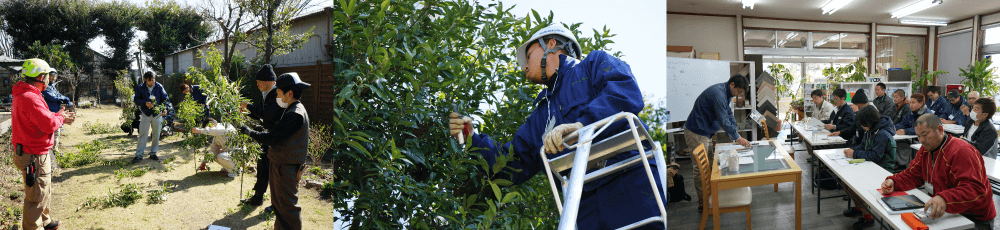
(7, 59)
(293, 20)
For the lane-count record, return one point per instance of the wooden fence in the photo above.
(318, 99)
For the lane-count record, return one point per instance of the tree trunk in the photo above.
(269, 20)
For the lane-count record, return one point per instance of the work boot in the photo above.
(153, 156)
(852, 212)
(269, 209)
(863, 223)
(253, 201)
(52, 226)
(137, 159)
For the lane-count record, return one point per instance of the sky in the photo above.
(640, 25)
(98, 43)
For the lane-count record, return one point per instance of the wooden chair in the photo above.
(731, 200)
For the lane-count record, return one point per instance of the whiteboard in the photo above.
(687, 78)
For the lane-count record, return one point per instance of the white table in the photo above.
(953, 129)
(813, 137)
(867, 176)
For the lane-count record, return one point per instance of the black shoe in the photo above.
(852, 212)
(136, 159)
(52, 226)
(269, 209)
(862, 223)
(253, 201)
(153, 156)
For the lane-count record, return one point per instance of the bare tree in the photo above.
(231, 19)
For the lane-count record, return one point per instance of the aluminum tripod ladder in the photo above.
(589, 153)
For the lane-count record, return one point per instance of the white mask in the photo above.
(974, 115)
(281, 102)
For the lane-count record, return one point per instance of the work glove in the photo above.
(459, 124)
(553, 139)
(244, 129)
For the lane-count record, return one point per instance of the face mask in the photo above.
(281, 102)
(974, 115)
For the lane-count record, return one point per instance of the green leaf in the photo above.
(510, 197)
(496, 190)
(357, 146)
(503, 182)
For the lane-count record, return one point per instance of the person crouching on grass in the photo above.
(219, 149)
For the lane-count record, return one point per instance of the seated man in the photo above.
(900, 108)
(860, 100)
(219, 148)
(954, 172)
(972, 96)
(937, 103)
(959, 109)
(979, 131)
(823, 109)
(842, 122)
(917, 108)
(876, 146)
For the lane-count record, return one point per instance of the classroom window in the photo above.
(826, 40)
(759, 38)
(892, 52)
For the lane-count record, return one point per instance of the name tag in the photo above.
(951, 117)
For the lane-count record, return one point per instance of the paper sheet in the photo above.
(728, 147)
(746, 160)
(812, 122)
(842, 160)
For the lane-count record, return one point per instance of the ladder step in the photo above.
(621, 165)
(599, 151)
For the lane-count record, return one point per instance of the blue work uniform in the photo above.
(711, 110)
(142, 96)
(199, 97)
(843, 122)
(53, 98)
(583, 91)
(910, 121)
(956, 112)
(941, 106)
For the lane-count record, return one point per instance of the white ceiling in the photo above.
(867, 11)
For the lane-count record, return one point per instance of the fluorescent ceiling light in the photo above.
(828, 39)
(748, 3)
(834, 5)
(915, 7)
(926, 22)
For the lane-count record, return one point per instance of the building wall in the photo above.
(704, 33)
(311, 52)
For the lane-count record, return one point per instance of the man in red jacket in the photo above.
(33, 125)
(955, 173)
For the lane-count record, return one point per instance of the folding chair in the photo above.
(589, 153)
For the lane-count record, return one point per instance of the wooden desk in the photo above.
(759, 177)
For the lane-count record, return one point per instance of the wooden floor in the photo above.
(771, 210)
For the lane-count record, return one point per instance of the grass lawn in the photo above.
(193, 200)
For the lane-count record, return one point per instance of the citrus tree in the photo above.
(400, 68)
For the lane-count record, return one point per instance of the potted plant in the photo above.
(979, 77)
(798, 109)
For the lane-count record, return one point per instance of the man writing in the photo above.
(604, 86)
(954, 171)
(937, 103)
(959, 109)
(842, 122)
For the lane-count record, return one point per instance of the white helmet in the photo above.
(554, 29)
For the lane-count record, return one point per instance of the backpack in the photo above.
(676, 193)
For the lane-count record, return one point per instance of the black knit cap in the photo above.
(859, 97)
(266, 73)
